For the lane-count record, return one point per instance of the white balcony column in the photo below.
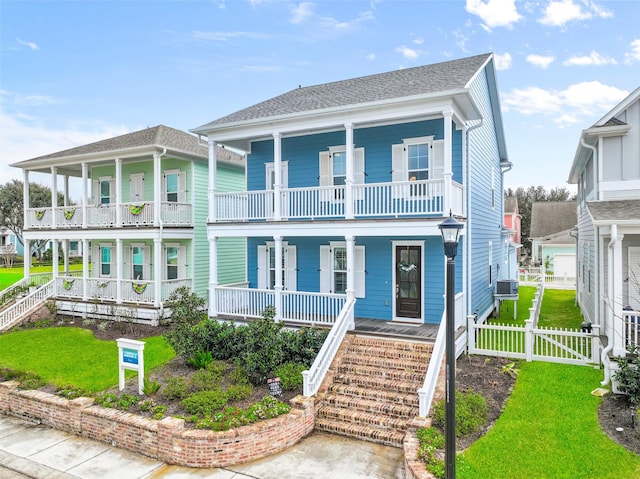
(157, 189)
(25, 201)
(213, 276)
(619, 347)
(348, 197)
(277, 173)
(85, 268)
(278, 270)
(65, 187)
(54, 195)
(118, 192)
(85, 193)
(27, 260)
(448, 163)
(54, 259)
(157, 271)
(65, 256)
(213, 166)
(119, 269)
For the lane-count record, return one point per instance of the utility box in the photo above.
(508, 286)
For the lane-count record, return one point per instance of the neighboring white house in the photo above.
(606, 168)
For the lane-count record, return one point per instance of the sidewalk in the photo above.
(33, 451)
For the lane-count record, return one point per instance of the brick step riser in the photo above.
(390, 343)
(379, 436)
(407, 399)
(408, 376)
(386, 363)
(366, 419)
(394, 410)
(383, 350)
(379, 383)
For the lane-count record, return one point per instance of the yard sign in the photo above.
(131, 356)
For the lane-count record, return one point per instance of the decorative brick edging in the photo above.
(414, 468)
(166, 440)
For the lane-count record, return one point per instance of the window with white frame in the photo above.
(175, 261)
(103, 190)
(333, 167)
(137, 262)
(175, 182)
(267, 266)
(416, 159)
(105, 261)
(333, 268)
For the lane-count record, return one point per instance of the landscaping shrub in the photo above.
(201, 359)
(187, 310)
(628, 374)
(208, 378)
(301, 346)
(71, 392)
(176, 387)
(205, 403)
(471, 412)
(263, 348)
(290, 375)
(149, 388)
(238, 392)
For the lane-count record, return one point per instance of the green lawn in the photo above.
(549, 430)
(73, 356)
(8, 276)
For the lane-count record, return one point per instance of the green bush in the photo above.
(176, 387)
(201, 359)
(149, 388)
(205, 403)
(628, 374)
(301, 346)
(187, 310)
(263, 348)
(208, 378)
(70, 392)
(471, 412)
(238, 392)
(290, 375)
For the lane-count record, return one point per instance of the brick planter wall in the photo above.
(166, 440)
(414, 468)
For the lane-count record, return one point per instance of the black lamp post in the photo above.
(450, 229)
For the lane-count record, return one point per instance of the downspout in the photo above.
(161, 225)
(467, 250)
(574, 234)
(604, 357)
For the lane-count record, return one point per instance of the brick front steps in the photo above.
(372, 392)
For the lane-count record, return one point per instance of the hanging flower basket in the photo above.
(135, 210)
(68, 214)
(139, 288)
(40, 214)
(68, 283)
(407, 268)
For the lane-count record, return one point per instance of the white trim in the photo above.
(395, 244)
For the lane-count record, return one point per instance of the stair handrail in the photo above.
(16, 310)
(313, 377)
(426, 392)
(11, 292)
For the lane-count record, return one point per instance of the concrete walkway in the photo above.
(28, 450)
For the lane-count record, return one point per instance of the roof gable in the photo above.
(549, 217)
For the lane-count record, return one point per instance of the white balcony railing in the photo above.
(311, 308)
(109, 215)
(631, 322)
(408, 198)
(243, 303)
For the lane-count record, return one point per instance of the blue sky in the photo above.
(73, 72)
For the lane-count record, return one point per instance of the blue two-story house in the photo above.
(346, 185)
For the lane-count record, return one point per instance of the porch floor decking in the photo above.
(422, 332)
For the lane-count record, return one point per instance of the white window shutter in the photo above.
(182, 187)
(263, 267)
(112, 190)
(163, 187)
(398, 164)
(182, 262)
(325, 169)
(325, 269)
(358, 166)
(96, 192)
(136, 187)
(95, 261)
(146, 263)
(436, 168)
(359, 272)
(127, 267)
(291, 272)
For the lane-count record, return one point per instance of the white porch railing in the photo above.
(311, 308)
(243, 303)
(170, 285)
(631, 322)
(407, 198)
(425, 393)
(13, 313)
(313, 377)
(130, 214)
(102, 289)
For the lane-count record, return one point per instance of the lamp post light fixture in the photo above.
(450, 229)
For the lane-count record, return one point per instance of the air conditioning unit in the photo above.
(509, 286)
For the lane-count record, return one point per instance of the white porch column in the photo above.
(66, 189)
(85, 268)
(448, 165)
(157, 187)
(278, 270)
(616, 295)
(277, 183)
(119, 270)
(213, 166)
(85, 194)
(54, 195)
(118, 192)
(157, 271)
(348, 197)
(213, 276)
(351, 274)
(54, 259)
(26, 254)
(25, 202)
(65, 256)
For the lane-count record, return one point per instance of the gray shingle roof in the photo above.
(615, 211)
(423, 80)
(161, 136)
(549, 217)
(510, 204)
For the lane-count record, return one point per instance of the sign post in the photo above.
(131, 356)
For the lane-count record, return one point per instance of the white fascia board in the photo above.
(607, 131)
(127, 234)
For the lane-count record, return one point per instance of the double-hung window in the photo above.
(175, 185)
(418, 161)
(333, 269)
(105, 261)
(267, 266)
(172, 262)
(137, 262)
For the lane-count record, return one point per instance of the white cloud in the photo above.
(592, 59)
(633, 55)
(370, 56)
(495, 13)
(18, 99)
(572, 105)
(560, 12)
(541, 61)
(418, 41)
(301, 13)
(345, 26)
(503, 62)
(32, 45)
(408, 53)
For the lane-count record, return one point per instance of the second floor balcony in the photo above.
(134, 214)
(370, 200)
